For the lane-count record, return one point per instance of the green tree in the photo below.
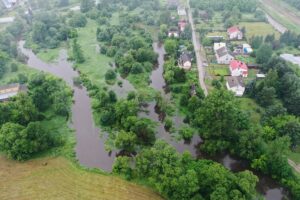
(171, 46)
(125, 141)
(77, 52)
(86, 5)
(263, 54)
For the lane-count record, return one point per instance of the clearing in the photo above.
(259, 29)
(57, 178)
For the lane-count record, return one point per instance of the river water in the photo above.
(90, 150)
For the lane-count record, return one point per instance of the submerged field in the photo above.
(57, 178)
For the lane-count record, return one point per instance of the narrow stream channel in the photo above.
(90, 149)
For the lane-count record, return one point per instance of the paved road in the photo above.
(197, 46)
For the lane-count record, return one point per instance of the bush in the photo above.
(186, 132)
(14, 67)
(110, 75)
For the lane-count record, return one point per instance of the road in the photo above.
(197, 46)
(279, 27)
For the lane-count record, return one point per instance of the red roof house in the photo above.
(234, 33)
(238, 68)
(181, 25)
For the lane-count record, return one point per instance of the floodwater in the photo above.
(90, 150)
(266, 186)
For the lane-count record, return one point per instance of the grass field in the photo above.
(48, 55)
(57, 178)
(96, 64)
(250, 106)
(218, 70)
(258, 29)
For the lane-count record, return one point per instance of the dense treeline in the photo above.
(242, 5)
(23, 131)
(180, 177)
(294, 3)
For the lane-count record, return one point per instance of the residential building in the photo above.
(181, 25)
(9, 3)
(238, 68)
(8, 91)
(181, 11)
(236, 85)
(234, 33)
(222, 54)
(173, 32)
(185, 61)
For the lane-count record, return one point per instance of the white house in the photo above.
(173, 33)
(236, 85)
(238, 68)
(234, 33)
(181, 11)
(219, 45)
(222, 54)
(185, 61)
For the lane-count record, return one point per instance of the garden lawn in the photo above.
(258, 29)
(251, 107)
(219, 70)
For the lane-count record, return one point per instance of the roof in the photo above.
(236, 64)
(181, 10)
(185, 57)
(260, 75)
(222, 51)
(11, 90)
(219, 45)
(233, 29)
(235, 81)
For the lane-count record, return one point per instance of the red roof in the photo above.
(182, 23)
(236, 64)
(233, 29)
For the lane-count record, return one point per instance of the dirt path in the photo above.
(281, 10)
(279, 27)
(294, 165)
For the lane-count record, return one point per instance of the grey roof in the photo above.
(235, 81)
(222, 51)
(11, 90)
(185, 57)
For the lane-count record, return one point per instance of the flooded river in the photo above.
(90, 149)
(89, 146)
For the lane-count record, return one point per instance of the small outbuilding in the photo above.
(8, 91)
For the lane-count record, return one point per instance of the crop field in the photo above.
(258, 29)
(283, 13)
(57, 178)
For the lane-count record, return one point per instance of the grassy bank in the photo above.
(57, 178)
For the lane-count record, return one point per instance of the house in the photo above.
(222, 54)
(234, 33)
(185, 61)
(173, 32)
(247, 49)
(236, 85)
(219, 45)
(238, 68)
(8, 91)
(9, 3)
(181, 25)
(181, 11)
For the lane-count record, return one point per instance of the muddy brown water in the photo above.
(266, 186)
(90, 150)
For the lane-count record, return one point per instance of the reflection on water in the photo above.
(89, 146)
